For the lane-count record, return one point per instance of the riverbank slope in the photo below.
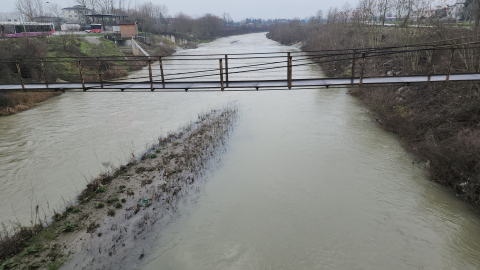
(438, 122)
(54, 50)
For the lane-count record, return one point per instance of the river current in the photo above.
(309, 181)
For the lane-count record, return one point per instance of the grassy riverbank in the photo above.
(439, 122)
(54, 50)
(119, 208)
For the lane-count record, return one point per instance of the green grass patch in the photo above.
(111, 200)
(105, 48)
(68, 227)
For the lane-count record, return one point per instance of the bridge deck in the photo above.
(243, 84)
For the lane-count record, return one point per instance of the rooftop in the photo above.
(77, 7)
(127, 23)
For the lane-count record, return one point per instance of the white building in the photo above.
(76, 14)
(10, 17)
(456, 10)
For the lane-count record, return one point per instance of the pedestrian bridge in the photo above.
(449, 61)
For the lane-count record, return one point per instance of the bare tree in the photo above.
(82, 2)
(54, 10)
(29, 9)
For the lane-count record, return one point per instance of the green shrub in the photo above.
(111, 200)
(68, 227)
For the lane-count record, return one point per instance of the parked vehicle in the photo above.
(25, 29)
(94, 28)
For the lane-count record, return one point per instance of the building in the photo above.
(128, 29)
(457, 10)
(76, 14)
(10, 17)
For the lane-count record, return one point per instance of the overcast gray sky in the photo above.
(238, 9)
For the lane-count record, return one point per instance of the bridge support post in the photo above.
(363, 68)
(82, 77)
(430, 66)
(20, 76)
(353, 67)
(289, 71)
(150, 74)
(226, 68)
(221, 73)
(450, 66)
(44, 74)
(99, 64)
(161, 70)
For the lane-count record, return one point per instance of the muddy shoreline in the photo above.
(112, 224)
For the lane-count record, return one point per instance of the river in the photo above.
(309, 181)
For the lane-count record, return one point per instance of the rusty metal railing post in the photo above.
(430, 66)
(221, 73)
(226, 68)
(363, 68)
(353, 67)
(82, 77)
(150, 74)
(99, 64)
(450, 66)
(44, 73)
(161, 70)
(20, 76)
(289, 71)
(290, 59)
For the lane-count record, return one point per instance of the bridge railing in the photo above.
(449, 57)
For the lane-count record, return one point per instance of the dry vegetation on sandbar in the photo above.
(119, 212)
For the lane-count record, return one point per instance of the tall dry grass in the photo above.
(15, 102)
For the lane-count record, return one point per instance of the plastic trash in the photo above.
(143, 202)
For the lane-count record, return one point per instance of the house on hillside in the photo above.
(76, 14)
(128, 29)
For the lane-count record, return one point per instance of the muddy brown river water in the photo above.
(309, 181)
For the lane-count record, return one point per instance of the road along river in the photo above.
(309, 181)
